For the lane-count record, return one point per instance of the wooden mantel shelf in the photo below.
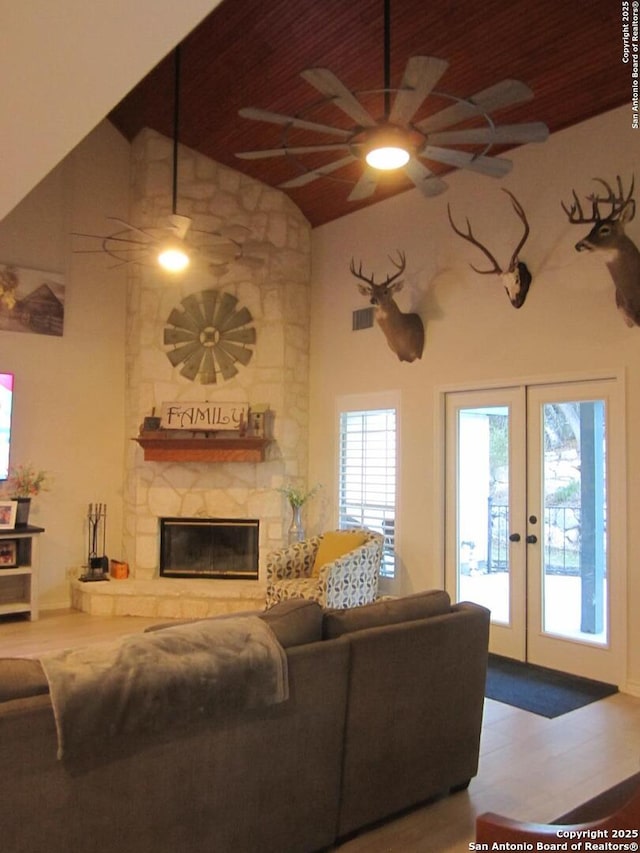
(165, 446)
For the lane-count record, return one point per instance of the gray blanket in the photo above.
(152, 682)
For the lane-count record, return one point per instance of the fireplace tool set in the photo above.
(97, 564)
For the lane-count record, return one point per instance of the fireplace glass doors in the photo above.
(209, 548)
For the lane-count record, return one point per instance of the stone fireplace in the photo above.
(275, 292)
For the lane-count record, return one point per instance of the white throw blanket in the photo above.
(153, 682)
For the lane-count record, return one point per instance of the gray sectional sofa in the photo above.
(384, 712)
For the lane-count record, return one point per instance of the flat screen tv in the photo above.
(6, 403)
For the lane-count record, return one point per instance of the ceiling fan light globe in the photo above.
(387, 157)
(173, 258)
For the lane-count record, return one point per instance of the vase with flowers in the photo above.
(297, 499)
(25, 482)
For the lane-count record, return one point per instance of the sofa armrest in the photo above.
(293, 561)
(423, 729)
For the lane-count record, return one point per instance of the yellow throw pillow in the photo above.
(335, 544)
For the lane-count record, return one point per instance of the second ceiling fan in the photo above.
(410, 145)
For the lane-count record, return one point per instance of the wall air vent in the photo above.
(362, 319)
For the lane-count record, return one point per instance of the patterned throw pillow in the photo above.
(336, 544)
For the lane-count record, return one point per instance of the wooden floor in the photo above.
(530, 767)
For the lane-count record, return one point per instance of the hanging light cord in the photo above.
(387, 58)
(176, 126)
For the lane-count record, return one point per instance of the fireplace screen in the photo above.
(209, 548)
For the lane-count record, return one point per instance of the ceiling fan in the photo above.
(145, 246)
(409, 145)
(173, 246)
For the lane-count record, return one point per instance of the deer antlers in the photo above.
(516, 277)
(618, 203)
(496, 268)
(400, 264)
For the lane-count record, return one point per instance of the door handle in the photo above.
(515, 537)
(532, 539)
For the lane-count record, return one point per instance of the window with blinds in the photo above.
(367, 477)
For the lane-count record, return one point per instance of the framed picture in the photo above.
(8, 510)
(8, 553)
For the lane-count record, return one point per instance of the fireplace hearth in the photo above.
(219, 548)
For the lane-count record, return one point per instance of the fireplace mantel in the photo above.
(159, 446)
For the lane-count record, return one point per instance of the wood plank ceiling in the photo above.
(251, 52)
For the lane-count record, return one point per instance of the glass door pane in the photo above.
(483, 508)
(485, 547)
(574, 554)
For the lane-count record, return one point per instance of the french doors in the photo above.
(535, 502)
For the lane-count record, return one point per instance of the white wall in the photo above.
(568, 324)
(69, 391)
(65, 65)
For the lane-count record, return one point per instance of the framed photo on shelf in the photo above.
(8, 511)
(8, 553)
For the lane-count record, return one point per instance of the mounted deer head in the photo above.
(607, 236)
(516, 278)
(404, 332)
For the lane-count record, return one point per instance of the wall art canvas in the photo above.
(31, 301)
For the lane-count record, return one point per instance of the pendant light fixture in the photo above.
(172, 254)
(389, 146)
(176, 245)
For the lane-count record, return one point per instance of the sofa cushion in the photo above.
(420, 605)
(295, 622)
(21, 678)
(334, 544)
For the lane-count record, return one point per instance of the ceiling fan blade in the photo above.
(130, 227)
(326, 82)
(535, 131)
(424, 179)
(300, 149)
(222, 254)
(307, 177)
(503, 94)
(365, 186)
(420, 76)
(179, 225)
(235, 232)
(494, 167)
(291, 121)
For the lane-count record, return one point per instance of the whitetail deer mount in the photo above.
(516, 277)
(404, 332)
(607, 236)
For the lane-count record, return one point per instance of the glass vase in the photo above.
(296, 530)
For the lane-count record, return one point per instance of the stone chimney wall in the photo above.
(276, 291)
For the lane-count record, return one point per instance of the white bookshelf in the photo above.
(19, 583)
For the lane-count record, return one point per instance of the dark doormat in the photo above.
(540, 690)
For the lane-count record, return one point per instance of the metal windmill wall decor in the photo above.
(208, 335)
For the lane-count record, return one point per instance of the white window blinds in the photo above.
(367, 479)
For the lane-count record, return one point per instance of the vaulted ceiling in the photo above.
(249, 53)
